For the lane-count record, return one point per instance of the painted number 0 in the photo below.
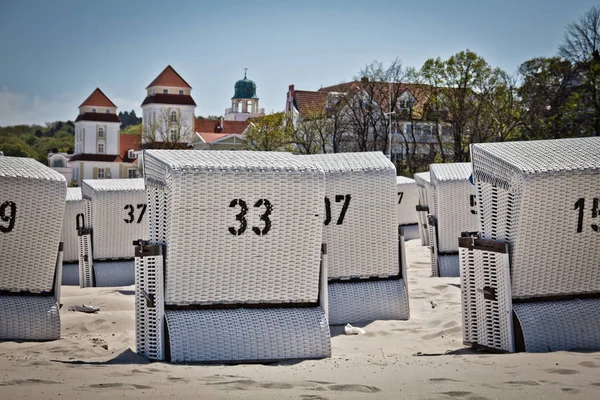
(241, 217)
(338, 199)
(473, 203)
(8, 213)
(131, 213)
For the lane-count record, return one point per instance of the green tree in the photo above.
(269, 133)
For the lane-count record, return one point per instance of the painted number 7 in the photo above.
(400, 196)
(338, 199)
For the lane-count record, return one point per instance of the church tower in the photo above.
(168, 110)
(244, 103)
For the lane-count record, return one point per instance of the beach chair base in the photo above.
(114, 273)
(557, 325)
(411, 231)
(248, 335)
(351, 302)
(28, 317)
(443, 265)
(70, 274)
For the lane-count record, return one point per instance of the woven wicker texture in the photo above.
(560, 325)
(86, 276)
(114, 273)
(408, 198)
(452, 203)
(32, 203)
(425, 192)
(494, 314)
(542, 198)
(365, 242)
(70, 274)
(74, 211)
(367, 301)
(248, 334)
(449, 265)
(468, 291)
(239, 226)
(29, 318)
(150, 318)
(118, 215)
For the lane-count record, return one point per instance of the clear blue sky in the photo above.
(53, 54)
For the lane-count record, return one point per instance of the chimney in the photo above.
(364, 79)
(222, 123)
(291, 88)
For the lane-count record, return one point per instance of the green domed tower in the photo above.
(244, 103)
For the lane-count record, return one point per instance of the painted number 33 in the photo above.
(241, 217)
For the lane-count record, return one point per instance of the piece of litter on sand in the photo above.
(86, 308)
(353, 330)
(433, 304)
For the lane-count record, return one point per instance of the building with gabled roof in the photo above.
(100, 149)
(168, 110)
(411, 101)
(219, 134)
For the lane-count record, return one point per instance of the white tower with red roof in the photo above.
(168, 110)
(99, 153)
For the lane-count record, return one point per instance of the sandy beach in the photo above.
(423, 358)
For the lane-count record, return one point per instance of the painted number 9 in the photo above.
(8, 213)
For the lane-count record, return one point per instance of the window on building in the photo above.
(173, 134)
(249, 107)
(173, 116)
(132, 173)
(166, 91)
(58, 163)
(93, 110)
(101, 132)
(180, 91)
(108, 111)
(101, 148)
(100, 173)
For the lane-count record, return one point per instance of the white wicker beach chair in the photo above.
(407, 215)
(531, 277)
(115, 216)
(425, 192)
(241, 278)
(32, 204)
(453, 211)
(73, 221)
(367, 275)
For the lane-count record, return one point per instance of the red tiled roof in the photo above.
(129, 142)
(96, 157)
(161, 98)
(169, 77)
(101, 117)
(214, 126)
(211, 137)
(98, 99)
(307, 101)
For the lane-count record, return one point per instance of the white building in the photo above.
(100, 152)
(168, 110)
(244, 103)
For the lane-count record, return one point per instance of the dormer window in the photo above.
(165, 91)
(93, 110)
(180, 91)
(101, 132)
(130, 154)
(173, 116)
